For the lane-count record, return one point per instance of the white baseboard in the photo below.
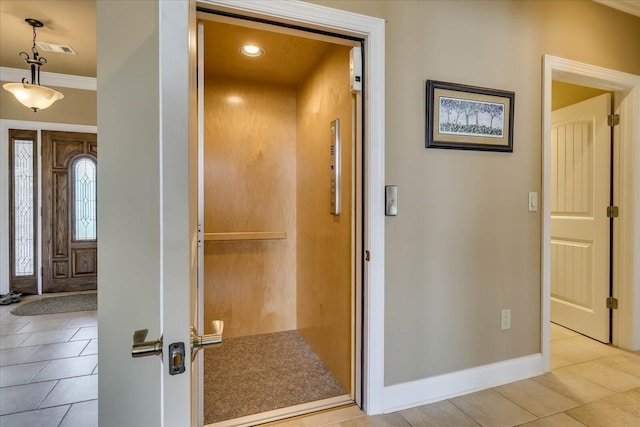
(441, 387)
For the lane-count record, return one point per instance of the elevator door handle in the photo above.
(206, 340)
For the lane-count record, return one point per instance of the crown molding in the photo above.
(51, 79)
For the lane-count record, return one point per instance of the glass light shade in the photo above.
(35, 97)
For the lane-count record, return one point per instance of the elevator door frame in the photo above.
(355, 202)
(369, 319)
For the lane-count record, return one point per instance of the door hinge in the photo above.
(612, 303)
(367, 256)
(613, 119)
(612, 211)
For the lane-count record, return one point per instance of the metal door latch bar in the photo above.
(209, 340)
(142, 348)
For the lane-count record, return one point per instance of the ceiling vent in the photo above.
(58, 48)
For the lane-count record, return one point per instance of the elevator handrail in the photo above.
(245, 235)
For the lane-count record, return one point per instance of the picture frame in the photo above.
(468, 118)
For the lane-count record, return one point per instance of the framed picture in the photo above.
(469, 118)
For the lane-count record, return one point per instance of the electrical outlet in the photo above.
(505, 322)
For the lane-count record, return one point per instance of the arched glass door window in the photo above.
(84, 199)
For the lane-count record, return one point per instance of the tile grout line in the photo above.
(65, 414)
(37, 373)
(45, 398)
(469, 415)
(622, 408)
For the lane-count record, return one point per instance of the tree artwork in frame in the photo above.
(468, 117)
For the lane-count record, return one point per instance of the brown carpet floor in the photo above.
(259, 373)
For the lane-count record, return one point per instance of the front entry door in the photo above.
(69, 231)
(580, 185)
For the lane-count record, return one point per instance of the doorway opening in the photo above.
(582, 169)
(626, 184)
(281, 219)
(52, 208)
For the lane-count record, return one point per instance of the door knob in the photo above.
(208, 340)
(143, 348)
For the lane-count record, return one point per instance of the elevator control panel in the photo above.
(335, 167)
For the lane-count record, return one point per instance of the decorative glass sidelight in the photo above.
(23, 208)
(85, 206)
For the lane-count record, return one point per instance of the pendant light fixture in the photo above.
(33, 95)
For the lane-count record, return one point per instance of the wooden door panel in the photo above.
(69, 264)
(85, 262)
(60, 269)
(572, 169)
(572, 272)
(60, 193)
(64, 151)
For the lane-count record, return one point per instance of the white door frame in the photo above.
(626, 251)
(372, 31)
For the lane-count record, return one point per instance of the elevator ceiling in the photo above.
(287, 59)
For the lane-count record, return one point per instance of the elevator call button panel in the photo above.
(335, 165)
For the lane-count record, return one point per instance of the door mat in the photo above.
(63, 304)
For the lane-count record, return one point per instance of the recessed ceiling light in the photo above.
(251, 50)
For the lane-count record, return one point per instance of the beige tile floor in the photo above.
(590, 384)
(49, 375)
(48, 369)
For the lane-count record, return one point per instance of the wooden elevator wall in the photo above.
(250, 185)
(324, 263)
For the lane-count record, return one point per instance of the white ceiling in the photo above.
(66, 22)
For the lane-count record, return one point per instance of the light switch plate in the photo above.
(533, 201)
(505, 319)
(391, 205)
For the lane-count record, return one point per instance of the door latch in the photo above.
(177, 352)
(142, 348)
(176, 358)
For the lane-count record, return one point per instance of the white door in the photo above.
(580, 191)
(148, 208)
